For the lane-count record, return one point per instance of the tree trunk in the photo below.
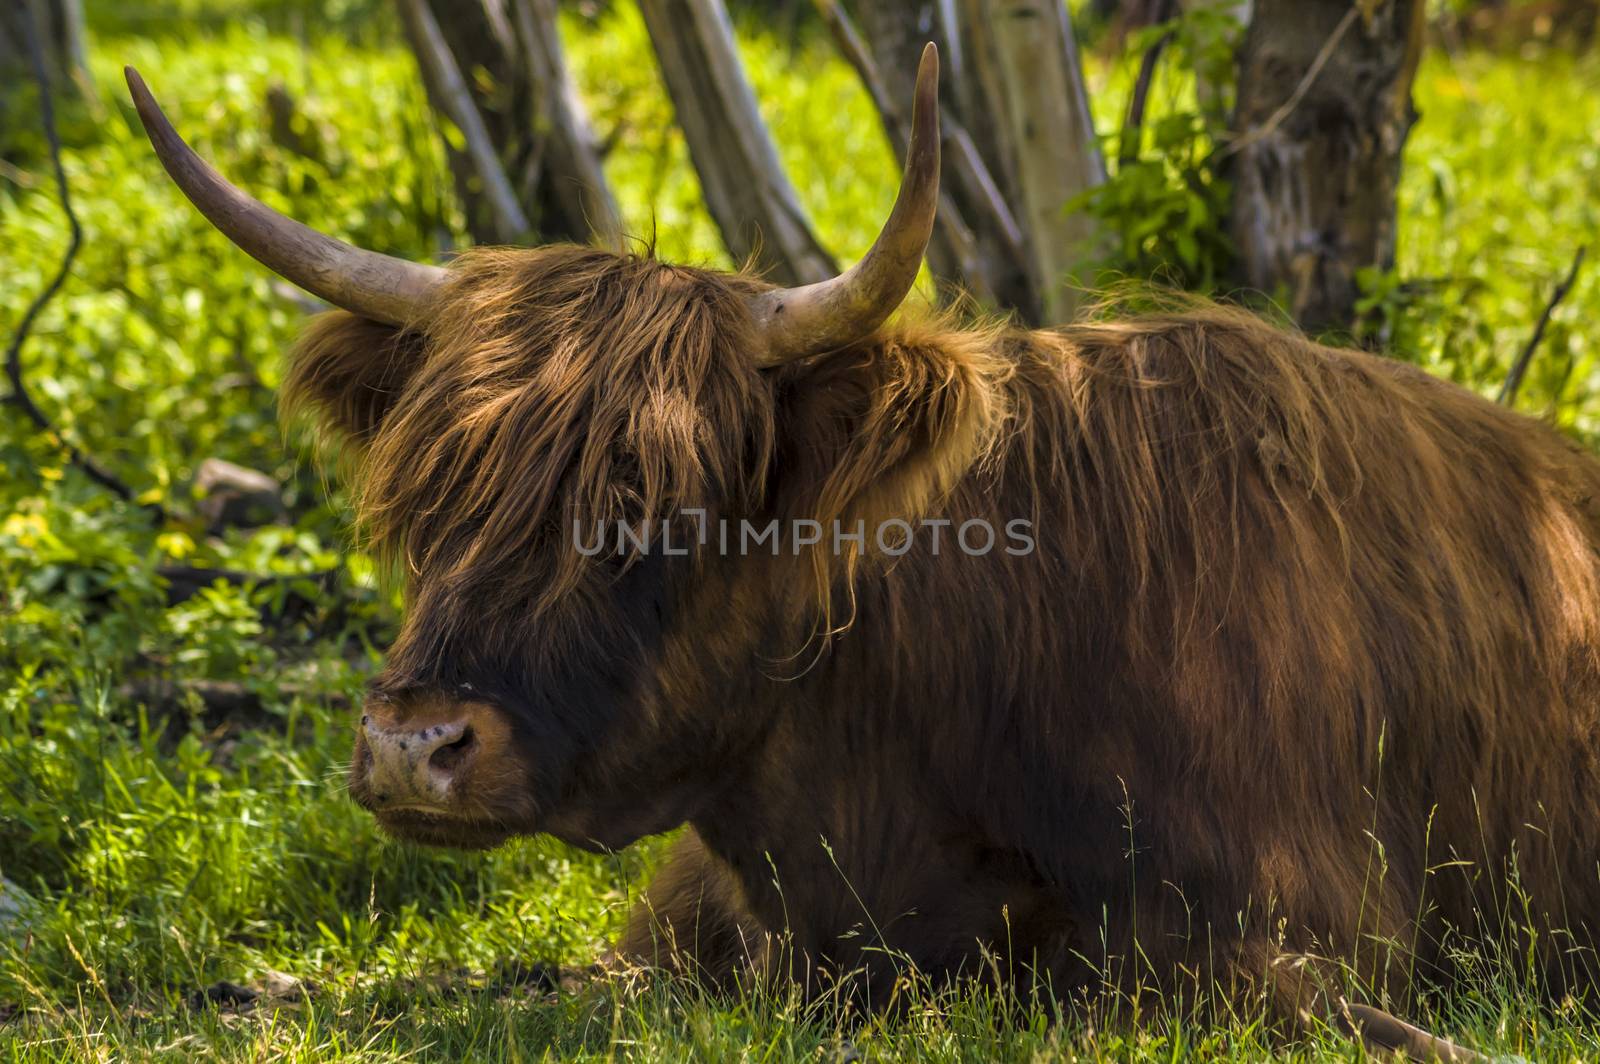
(745, 188)
(1026, 67)
(1324, 106)
(1019, 143)
(527, 168)
(57, 26)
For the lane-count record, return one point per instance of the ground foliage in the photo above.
(152, 846)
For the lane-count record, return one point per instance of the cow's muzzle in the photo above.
(413, 764)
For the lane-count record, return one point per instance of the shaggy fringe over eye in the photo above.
(551, 387)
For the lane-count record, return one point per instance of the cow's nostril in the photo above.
(450, 755)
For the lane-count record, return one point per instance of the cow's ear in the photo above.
(883, 431)
(346, 373)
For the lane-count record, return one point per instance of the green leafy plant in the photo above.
(1165, 204)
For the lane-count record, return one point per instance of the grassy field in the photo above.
(153, 849)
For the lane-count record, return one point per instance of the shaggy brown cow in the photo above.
(1277, 649)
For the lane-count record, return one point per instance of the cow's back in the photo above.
(1316, 640)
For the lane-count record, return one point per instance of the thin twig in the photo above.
(19, 388)
(1275, 119)
(1513, 382)
(1133, 124)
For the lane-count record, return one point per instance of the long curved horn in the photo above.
(797, 322)
(374, 286)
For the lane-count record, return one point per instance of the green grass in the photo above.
(164, 851)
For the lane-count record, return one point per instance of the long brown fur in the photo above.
(1306, 659)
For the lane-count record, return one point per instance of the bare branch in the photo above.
(1133, 124)
(981, 187)
(966, 165)
(1519, 368)
(1383, 1033)
(444, 81)
(574, 168)
(19, 388)
(745, 187)
(856, 53)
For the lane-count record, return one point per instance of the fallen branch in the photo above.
(1513, 382)
(19, 388)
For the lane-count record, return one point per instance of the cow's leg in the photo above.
(692, 919)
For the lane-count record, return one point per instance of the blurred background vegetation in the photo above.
(177, 668)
